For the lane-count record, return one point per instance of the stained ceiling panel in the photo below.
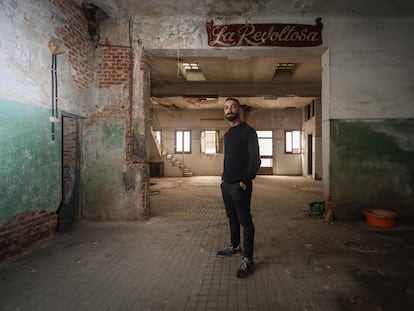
(251, 78)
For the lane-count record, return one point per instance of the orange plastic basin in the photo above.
(383, 218)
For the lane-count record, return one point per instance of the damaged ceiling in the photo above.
(252, 79)
(247, 8)
(245, 73)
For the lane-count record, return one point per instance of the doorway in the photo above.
(265, 139)
(310, 154)
(280, 94)
(70, 209)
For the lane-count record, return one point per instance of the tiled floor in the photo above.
(169, 262)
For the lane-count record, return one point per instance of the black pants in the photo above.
(237, 204)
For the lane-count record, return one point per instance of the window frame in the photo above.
(183, 142)
(299, 148)
(310, 110)
(263, 135)
(203, 142)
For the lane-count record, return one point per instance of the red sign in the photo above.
(293, 35)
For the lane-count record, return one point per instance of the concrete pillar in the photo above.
(325, 122)
(116, 151)
(140, 117)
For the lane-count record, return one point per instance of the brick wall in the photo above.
(77, 42)
(69, 153)
(24, 229)
(29, 227)
(114, 66)
(107, 113)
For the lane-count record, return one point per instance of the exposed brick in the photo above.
(69, 154)
(24, 229)
(75, 38)
(114, 67)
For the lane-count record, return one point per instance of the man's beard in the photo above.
(232, 117)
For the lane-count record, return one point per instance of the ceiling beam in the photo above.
(236, 89)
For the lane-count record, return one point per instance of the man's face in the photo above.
(231, 110)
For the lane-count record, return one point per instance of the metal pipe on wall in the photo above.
(54, 48)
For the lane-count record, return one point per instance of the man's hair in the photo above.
(233, 99)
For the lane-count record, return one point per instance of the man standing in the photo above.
(241, 162)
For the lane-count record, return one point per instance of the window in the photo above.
(209, 141)
(265, 139)
(157, 135)
(183, 141)
(310, 110)
(292, 141)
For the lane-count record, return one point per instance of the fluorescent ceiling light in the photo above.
(285, 66)
(191, 71)
(284, 71)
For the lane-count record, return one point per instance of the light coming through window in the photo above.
(183, 141)
(208, 141)
(292, 141)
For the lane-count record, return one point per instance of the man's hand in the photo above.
(243, 186)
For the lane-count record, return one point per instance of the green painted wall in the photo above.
(104, 161)
(372, 166)
(30, 162)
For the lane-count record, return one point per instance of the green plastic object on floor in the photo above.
(316, 208)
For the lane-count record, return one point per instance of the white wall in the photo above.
(370, 58)
(25, 58)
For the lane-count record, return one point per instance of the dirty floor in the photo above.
(169, 261)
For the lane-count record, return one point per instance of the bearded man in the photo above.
(241, 162)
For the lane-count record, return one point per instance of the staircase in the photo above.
(166, 155)
(175, 162)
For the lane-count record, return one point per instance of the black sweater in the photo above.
(241, 154)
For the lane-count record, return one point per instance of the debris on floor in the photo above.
(316, 208)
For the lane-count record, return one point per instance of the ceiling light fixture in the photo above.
(284, 71)
(285, 66)
(191, 71)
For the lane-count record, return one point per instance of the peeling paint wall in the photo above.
(368, 111)
(30, 160)
(372, 165)
(30, 163)
(26, 27)
(116, 145)
(114, 187)
(369, 58)
(103, 164)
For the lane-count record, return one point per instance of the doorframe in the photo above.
(269, 169)
(310, 154)
(70, 210)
